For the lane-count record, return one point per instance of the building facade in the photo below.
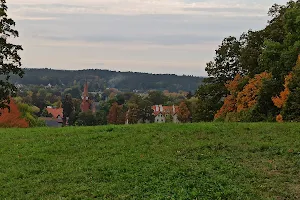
(165, 114)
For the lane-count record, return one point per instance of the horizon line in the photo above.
(183, 75)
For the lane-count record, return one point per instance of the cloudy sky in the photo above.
(156, 36)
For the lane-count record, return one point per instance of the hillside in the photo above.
(203, 161)
(124, 81)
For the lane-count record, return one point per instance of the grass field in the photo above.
(192, 161)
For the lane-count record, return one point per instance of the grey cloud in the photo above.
(154, 29)
(163, 30)
(159, 40)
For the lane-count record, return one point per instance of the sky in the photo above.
(154, 36)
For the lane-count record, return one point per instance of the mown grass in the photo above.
(190, 161)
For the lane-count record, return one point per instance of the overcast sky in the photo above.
(156, 36)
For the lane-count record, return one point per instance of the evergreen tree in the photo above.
(68, 109)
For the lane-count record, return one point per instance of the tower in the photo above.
(85, 104)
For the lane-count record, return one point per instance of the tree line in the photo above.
(255, 77)
(99, 80)
(123, 107)
(251, 78)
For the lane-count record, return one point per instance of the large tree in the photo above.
(226, 64)
(10, 61)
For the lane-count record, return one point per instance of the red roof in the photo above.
(55, 112)
(164, 109)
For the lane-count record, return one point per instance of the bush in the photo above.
(86, 119)
(28, 112)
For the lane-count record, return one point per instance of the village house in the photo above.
(165, 114)
(57, 116)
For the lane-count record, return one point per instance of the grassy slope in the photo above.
(203, 161)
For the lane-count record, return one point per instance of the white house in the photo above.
(162, 114)
(165, 114)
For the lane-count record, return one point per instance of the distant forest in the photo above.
(102, 79)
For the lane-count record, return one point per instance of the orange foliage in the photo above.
(279, 118)
(247, 98)
(282, 99)
(232, 86)
(230, 101)
(12, 118)
(228, 106)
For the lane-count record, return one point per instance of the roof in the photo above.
(164, 109)
(55, 112)
(50, 122)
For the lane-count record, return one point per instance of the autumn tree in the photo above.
(244, 99)
(230, 102)
(183, 113)
(247, 98)
(12, 117)
(113, 113)
(121, 114)
(273, 49)
(10, 61)
(116, 114)
(280, 101)
(132, 114)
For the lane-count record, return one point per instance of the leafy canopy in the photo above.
(10, 61)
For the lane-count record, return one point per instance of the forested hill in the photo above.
(101, 79)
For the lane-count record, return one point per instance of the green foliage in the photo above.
(157, 98)
(75, 92)
(29, 113)
(291, 110)
(273, 50)
(226, 64)
(101, 117)
(10, 61)
(68, 106)
(205, 111)
(251, 47)
(87, 119)
(146, 111)
(169, 118)
(185, 161)
(210, 101)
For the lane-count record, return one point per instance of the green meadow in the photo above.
(157, 161)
